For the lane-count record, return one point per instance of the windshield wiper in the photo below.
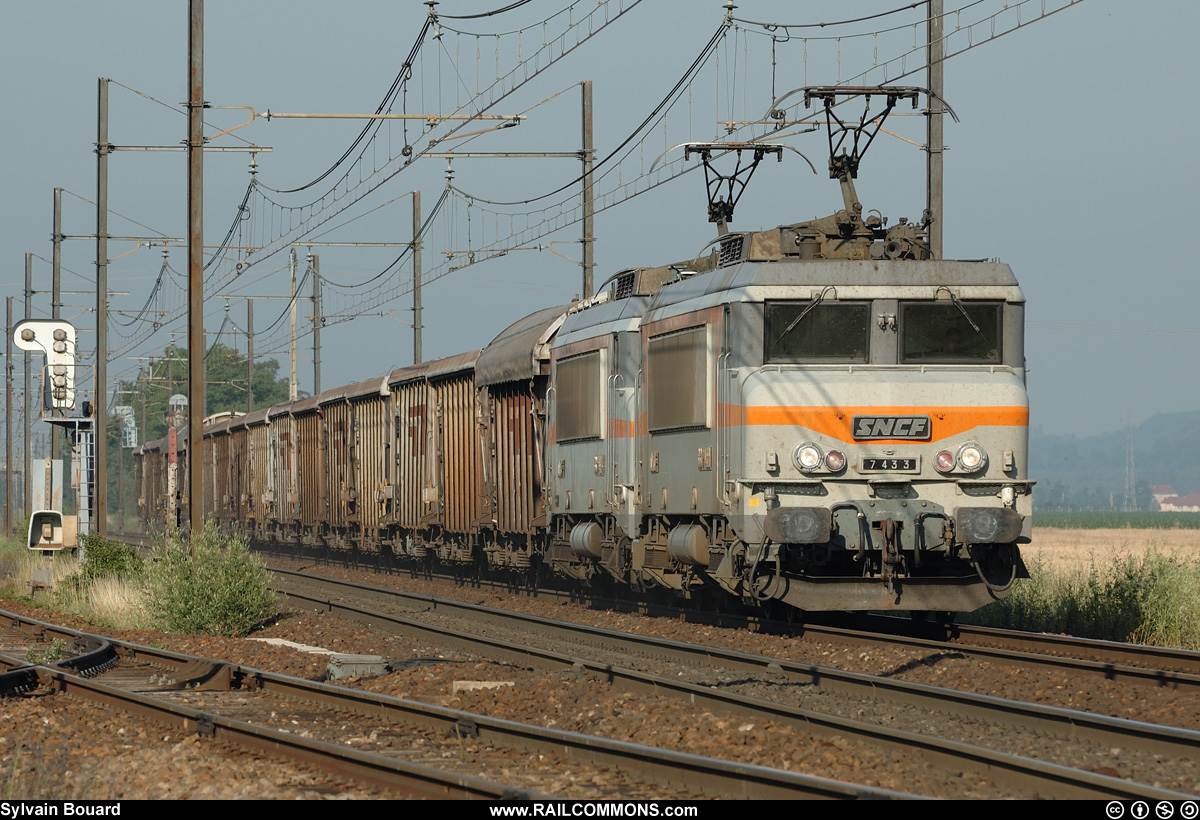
(820, 298)
(962, 310)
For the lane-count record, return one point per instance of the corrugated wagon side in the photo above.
(511, 376)
(364, 460)
(337, 422)
(311, 488)
(281, 497)
(234, 510)
(254, 485)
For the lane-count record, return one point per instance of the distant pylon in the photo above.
(1130, 504)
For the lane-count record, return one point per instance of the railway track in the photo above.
(714, 679)
(238, 704)
(141, 680)
(1156, 666)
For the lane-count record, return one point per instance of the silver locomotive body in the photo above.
(832, 434)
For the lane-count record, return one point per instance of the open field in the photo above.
(1079, 548)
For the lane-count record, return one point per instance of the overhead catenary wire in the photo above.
(117, 214)
(287, 309)
(176, 108)
(771, 26)
(616, 195)
(492, 13)
(420, 237)
(557, 47)
(372, 125)
(315, 213)
(650, 118)
(568, 9)
(482, 254)
(149, 299)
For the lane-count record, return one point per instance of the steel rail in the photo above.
(1107, 652)
(98, 654)
(710, 776)
(1076, 723)
(1106, 659)
(1010, 769)
(89, 654)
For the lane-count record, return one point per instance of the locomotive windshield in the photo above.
(951, 333)
(820, 332)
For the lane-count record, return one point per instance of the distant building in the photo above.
(1161, 491)
(1180, 503)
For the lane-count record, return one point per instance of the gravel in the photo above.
(50, 734)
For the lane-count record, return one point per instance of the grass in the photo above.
(119, 603)
(17, 565)
(1152, 598)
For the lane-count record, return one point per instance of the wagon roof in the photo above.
(220, 422)
(300, 405)
(256, 418)
(377, 386)
(521, 350)
(280, 409)
(333, 394)
(435, 368)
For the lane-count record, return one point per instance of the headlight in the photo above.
(798, 525)
(987, 525)
(971, 457)
(807, 457)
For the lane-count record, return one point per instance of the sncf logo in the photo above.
(915, 428)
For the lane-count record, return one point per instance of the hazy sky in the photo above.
(1074, 161)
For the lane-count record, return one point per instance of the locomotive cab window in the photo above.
(816, 332)
(579, 400)
(950, 332)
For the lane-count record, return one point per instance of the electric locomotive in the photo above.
(818, 414)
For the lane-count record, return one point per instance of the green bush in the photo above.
(108, 559)
(211, 585)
